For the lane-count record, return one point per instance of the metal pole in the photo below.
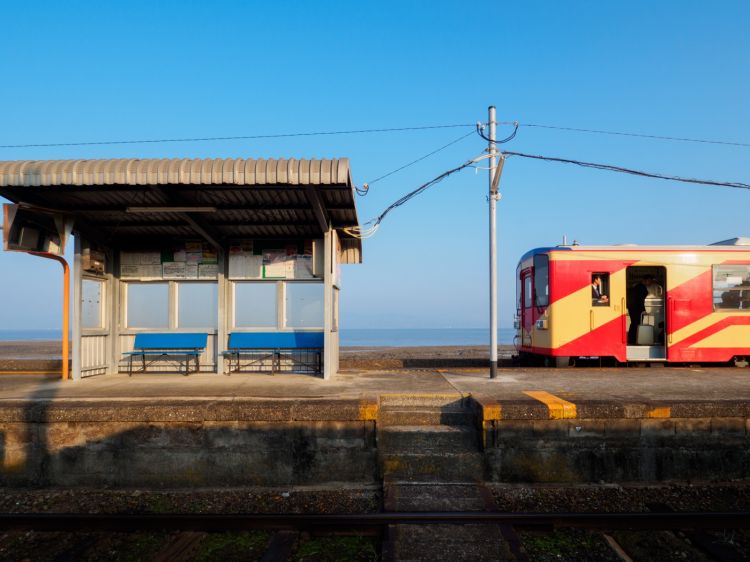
(66, 310)
(493, 243)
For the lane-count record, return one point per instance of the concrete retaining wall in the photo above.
(601, 442)
(296, 442)
(188, 445)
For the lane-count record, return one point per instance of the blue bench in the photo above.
(275, 352)
(168, 346)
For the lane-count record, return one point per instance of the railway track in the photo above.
(664, 520)
(182, 534)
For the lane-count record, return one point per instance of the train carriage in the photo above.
(677, 304)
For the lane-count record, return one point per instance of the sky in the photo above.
(91, 71)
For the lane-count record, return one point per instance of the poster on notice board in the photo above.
(191, 260)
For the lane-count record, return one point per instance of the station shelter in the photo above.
(216, 247)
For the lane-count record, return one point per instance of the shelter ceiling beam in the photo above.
(316, 202)
(219, 208)
(200, 228)
(132, 227)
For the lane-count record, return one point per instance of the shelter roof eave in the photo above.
(241, 198)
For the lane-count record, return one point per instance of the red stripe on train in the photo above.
(713, 329)
(695, 301)
(569, 276)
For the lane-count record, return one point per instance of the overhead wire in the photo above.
(240, 137)
(627, 134)
(380, 130)
(620, 169)
(510, 137)
(370, 227)
(366, 186)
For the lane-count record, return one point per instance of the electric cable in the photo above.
(369, 228)
(620, 169)
(627, 134)
(510, 137)
(366, 186)
(240, 137)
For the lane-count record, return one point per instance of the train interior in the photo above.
(646, 321)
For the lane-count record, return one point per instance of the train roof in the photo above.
(740, 243)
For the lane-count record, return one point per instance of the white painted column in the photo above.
(329, 347)
(113, 309)
(77, 309)
(223, 320)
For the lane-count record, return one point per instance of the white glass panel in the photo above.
(255, 305)
(91, 303)
(197, 305)
(148, 305)
(304, 305)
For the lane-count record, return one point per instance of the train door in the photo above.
(527, 307)
(604, 315)
(646, 300)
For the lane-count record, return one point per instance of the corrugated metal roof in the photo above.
(268, 199)
(210, 171)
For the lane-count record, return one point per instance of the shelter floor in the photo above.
(587, 384)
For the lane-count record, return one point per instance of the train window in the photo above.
(527, 291)
(600, 289)
(541, 280)
(519, 304)
(731, 287)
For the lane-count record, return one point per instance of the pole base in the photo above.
(493, 369)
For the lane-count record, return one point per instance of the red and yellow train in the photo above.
(677, 304)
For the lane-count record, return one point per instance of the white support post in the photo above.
(77, 308)
(115, 315)
(493, 244)
(329, 348)
(111, 314)
(223, 320)
(172, 297)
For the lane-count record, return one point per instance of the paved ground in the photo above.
(587, 384)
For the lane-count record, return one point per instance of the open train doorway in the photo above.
(646, 299)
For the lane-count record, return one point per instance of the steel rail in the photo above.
(239, 522)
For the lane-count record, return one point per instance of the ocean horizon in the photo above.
(351, 337)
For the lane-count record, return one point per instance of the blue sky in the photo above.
(79, 71)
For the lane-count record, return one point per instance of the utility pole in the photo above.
(493, 242)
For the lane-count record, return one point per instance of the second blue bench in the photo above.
(275, 352)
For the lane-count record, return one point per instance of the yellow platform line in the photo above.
(559, 409)
(663, 412)
(368, 410)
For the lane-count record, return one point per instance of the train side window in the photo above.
(731, 287)
(541, 280)
(527, 291)
(519, 304)
(600, 289)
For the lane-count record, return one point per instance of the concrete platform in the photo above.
(512, 384)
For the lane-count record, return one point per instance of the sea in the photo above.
(364, 337)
